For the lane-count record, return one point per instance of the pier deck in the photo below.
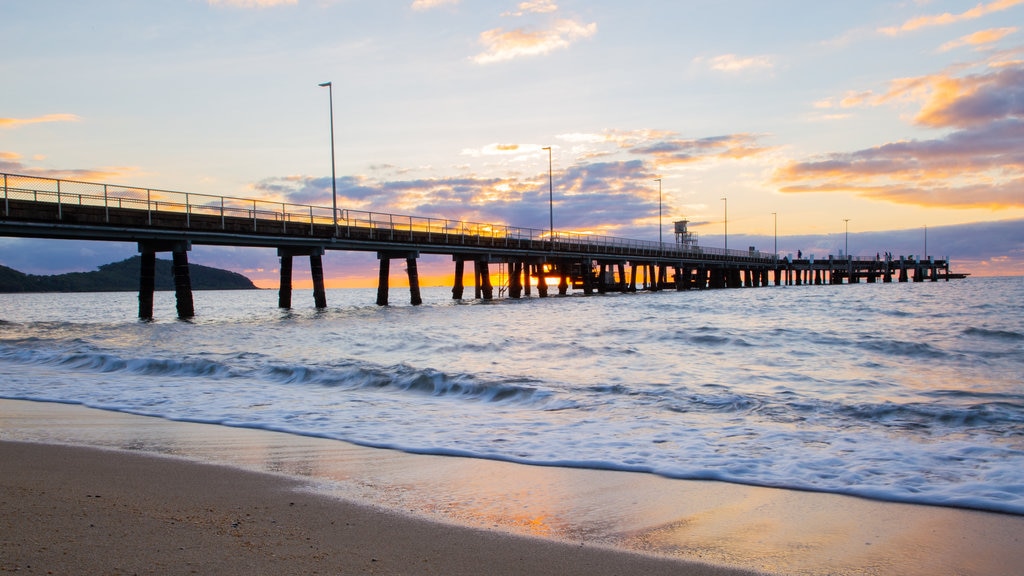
(167, 221)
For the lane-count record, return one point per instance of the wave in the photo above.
(921, 350)
(347, 375)
(1000, 414)
(1006, 335)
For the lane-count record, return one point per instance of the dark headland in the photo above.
(121, 276)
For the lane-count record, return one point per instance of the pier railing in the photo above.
(374, 225)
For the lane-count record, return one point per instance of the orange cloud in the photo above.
(966, 101)
(948, 18)
(978, 165)
(17, 122)
(980, 39)
(11, 162)
(501, 45)
(534, 7)
(675, 151)
(734, 63)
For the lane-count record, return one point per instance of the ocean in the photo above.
(899, 392)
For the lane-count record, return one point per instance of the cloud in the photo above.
(11, 162)
(497, 149)
(429, 4)
(979, 164)
(534, 7)
(668, 151)
(252, 3)
(950, 101)
(600, 197)
(732, 63)
(980, 39)
(18, 122)
(947, 18)
(501, 45)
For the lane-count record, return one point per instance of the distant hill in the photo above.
(121, 276)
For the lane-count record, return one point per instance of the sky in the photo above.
(882, 125)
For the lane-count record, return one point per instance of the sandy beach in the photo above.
(86, 491)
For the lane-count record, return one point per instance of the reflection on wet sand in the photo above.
(762, 528)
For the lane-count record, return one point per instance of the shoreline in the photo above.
(467, 515)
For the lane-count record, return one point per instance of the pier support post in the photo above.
(484, 288)
(515, 279)
(563, 279)
(542, 282)
(460, 270)
(316, 270)
(284, 290)
(147, 283)
(182, 285)
(632, 277)
(414, 281)
(382, 279)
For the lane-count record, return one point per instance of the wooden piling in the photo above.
(457, 287)
(147, 283)
(414, 281)
(284, 291)
(182, 285)
(382, 279)
(316, 269)
(484, 288)
(515, 279)
(542, 281)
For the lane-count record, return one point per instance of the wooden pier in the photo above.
(166, 221)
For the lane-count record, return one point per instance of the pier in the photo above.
(168, 221)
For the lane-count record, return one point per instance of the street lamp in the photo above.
(847, 222)
(334, 178)
(925, 241)
(658, 180)
(775, 216)
(551, 201)
(725, 201)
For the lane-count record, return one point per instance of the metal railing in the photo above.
(375, 225)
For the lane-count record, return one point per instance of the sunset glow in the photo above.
(894, 116)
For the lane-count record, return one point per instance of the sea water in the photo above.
(904, 392)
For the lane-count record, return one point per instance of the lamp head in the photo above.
(325, 84)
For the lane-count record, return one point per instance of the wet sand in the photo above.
(89, 491)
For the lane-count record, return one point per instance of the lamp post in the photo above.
(551, 201)
(847, 222)
(775, 217)
(334, 178)
(725, 202)
(925, 241)
(658, 180)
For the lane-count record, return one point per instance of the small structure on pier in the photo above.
(685, 240)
